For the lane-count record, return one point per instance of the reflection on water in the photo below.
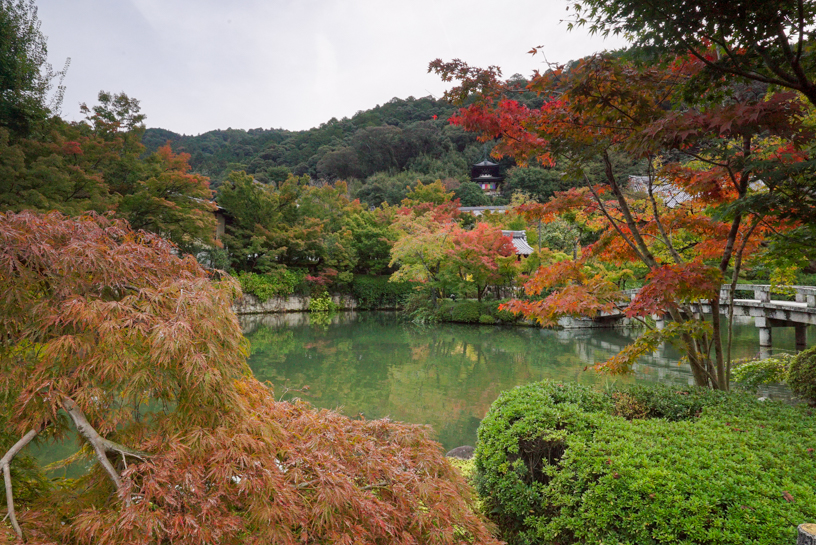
(444, 375)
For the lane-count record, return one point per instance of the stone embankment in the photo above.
(249, 304)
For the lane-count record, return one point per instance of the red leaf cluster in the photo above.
(671, 285)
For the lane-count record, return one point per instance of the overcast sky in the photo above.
(199, 65)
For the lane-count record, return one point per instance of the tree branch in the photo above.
(659, 223)
(735, 71)
(646, 255)
(612, 220)
(5, 463)
(100, 445)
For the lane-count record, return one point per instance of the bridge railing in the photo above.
(762, 293)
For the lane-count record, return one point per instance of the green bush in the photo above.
(802, 375)
(280, 283)
(470, 311)
(520, 444)
(376, 292)
(754, 373)
(667, 401)
(466, 311)
(555, 464)
(322, 303)
(502, 316)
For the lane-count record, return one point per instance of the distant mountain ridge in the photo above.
(386, 137)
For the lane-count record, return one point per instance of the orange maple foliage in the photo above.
(112, 339)
(601, 105)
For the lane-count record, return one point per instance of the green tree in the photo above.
(295, 225)
(171, 202)
(767, 42)
(26, 77)
(373, 238)
(433, 193)
(470, 194)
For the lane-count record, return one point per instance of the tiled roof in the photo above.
(519, 239)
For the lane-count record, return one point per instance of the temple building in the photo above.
(486, 175)
(519, 238)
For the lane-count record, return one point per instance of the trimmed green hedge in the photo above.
(557, 463)
(376, 292)
(281, 283)
(802, 375)
(470, 311)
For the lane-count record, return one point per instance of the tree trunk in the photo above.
(807, 534)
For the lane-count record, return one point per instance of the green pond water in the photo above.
(445, 375)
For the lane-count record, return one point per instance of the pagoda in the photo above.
(486, 175)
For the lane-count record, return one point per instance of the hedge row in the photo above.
(376, 292)
(473, 312)
(564, 464)
(371, 292)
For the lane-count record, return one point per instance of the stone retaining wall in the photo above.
(249, 304)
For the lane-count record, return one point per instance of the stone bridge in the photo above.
(766, 312)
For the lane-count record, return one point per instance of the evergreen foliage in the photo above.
(377, 292)
(561, 463)
(26, 77)
(802, 375)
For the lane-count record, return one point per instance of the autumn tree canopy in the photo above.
(692, 223)
(110, 337)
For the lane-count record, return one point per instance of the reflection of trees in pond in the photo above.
(445, 375)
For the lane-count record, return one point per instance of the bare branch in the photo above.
(5, 463)
(90, 434)
(100, 445)
(659, 223)
(611, 219)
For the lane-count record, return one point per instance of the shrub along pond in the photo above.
(444, 375)
(562, 463)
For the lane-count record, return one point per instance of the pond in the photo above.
(444, 375)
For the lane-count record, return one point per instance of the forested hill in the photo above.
(387, 137)
(379, 151)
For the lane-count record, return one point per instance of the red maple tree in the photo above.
(691, 223)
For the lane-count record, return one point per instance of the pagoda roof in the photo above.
(486, 163)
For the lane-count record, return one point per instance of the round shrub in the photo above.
(521, 442)
(322, 303)
(802, 375)
(487, 319)
(752, 374)
(555, 464)
(466, 311)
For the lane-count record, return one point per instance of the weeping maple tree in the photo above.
(692, 222)
(109, 337)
